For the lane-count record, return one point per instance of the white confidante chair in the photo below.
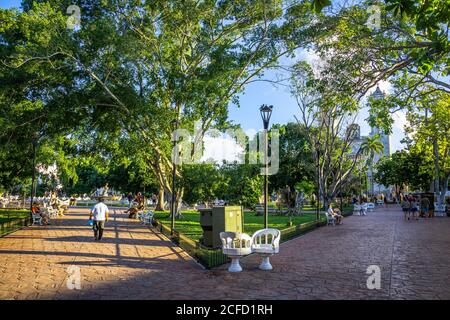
(52, 213)
(370, 206)
(266, 242)
(357, 209)
(147, 217)
(236, 245)
(439, 210)
(363, 208)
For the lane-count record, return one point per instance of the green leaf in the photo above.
(318, 5)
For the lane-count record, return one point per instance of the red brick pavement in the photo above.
(132, 262)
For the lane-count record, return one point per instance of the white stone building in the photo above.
(374, 188)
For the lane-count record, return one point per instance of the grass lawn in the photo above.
(189, 225)
(7, 215)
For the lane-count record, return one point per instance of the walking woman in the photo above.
(414, 208)
(405, 207)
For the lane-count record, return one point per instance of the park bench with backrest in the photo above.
(36, 217)
(52, 213)
(357, 209)
(439, 210)
(146, 217)
(330, 219)
(363, 210)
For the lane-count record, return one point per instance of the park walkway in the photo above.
(132, 262)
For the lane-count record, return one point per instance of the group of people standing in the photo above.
(413, 207)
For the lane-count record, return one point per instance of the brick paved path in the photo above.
(133, 262)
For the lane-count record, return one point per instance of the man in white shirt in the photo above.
(100, 213)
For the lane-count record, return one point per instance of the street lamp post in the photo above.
(33, 189)
(266, 113)
(174, 178)
(361, 189)
(318, 146)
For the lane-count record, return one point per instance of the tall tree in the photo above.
(329, 122)
(430, 137)
(404, 42)
(137, 66)
(296, 162)
(371, 147)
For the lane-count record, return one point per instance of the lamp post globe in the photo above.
(266, 113)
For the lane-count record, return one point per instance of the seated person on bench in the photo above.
(133, 211)
(336, 213)
(36, 210)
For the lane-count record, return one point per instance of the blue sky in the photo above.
(10, 3)
(285, 107)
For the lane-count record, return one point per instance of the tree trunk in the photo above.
(443, 185)
(436, 170)
(160, 204)
(178, 202)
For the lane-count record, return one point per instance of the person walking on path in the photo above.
(405, 207)
(414, 208)
(100, 215)
(130, 200)
(425, 207)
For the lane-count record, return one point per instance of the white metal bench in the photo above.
(36, 217)
(52, 213)
(371, 206)
(146, 217)
(330, 219)
(236, 245)
(439, 210)
(266, 242)
(363, 209)
(357, 209)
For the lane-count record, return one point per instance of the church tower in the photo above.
(385, 140)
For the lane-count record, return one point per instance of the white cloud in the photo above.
(400, 120)
(311, 57)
